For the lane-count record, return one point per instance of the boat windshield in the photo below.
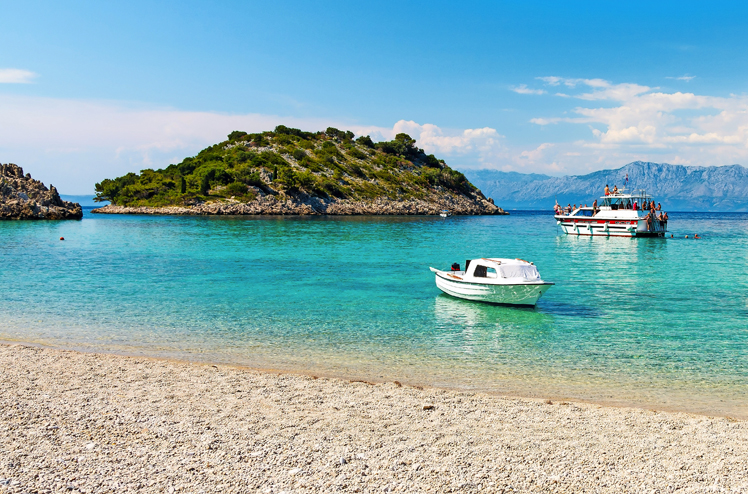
(584, 212)
(615, 203)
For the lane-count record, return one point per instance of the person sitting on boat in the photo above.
(615, 189)
(607, 190)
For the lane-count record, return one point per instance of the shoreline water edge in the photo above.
(93, 422)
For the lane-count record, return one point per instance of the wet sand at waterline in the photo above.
(79, 422)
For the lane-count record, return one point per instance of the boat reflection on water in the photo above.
(480, 321)
(486, 347)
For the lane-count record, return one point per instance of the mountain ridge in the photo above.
(677, 187)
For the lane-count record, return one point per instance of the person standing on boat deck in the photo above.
(635, 205)
(659, 207)
(607, 190)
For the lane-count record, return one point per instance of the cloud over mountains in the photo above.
(630, 121)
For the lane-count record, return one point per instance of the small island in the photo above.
(293, 172)
(23, 198)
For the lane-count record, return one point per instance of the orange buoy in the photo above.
(62, 238)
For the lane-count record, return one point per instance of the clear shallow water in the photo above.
(649, 322)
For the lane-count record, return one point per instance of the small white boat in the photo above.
(493, 280)
(445, 213)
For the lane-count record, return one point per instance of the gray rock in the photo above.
(23, 198)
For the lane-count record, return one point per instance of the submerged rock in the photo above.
(23, 198)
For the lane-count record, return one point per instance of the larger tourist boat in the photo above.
(494, 280)
(619, 215)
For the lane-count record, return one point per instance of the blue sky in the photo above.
(90, 90)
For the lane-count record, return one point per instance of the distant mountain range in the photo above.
(677, 187)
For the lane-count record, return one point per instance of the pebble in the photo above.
(160, 426)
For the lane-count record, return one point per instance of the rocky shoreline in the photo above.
(76, 422)
(23, 198)
(273, 205)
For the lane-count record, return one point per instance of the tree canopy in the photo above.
(290, 162)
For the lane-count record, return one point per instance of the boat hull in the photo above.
(519, 294)
(610, 227)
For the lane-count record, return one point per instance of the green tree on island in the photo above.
(290, 162)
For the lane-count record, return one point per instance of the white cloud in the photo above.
(523, 89)
(686, 78)
(483, 146)
(551, 80)
(536, 154)
(16, 76)
(76, 143)
(629, 121)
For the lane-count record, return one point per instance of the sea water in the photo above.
(651, 322)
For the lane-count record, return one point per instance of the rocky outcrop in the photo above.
(305, 205)
(23, 198)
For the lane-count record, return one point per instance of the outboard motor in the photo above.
(455, 266)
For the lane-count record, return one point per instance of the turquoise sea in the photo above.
(655, 323)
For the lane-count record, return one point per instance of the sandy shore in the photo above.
(74, 422)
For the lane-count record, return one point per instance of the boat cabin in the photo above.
(500, 269)
(614, 202)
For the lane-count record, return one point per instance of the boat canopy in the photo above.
(525, 271)
(509, 268)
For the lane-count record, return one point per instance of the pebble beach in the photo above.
(80, 422)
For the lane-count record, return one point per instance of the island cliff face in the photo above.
(289, 171)
(23, 198)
